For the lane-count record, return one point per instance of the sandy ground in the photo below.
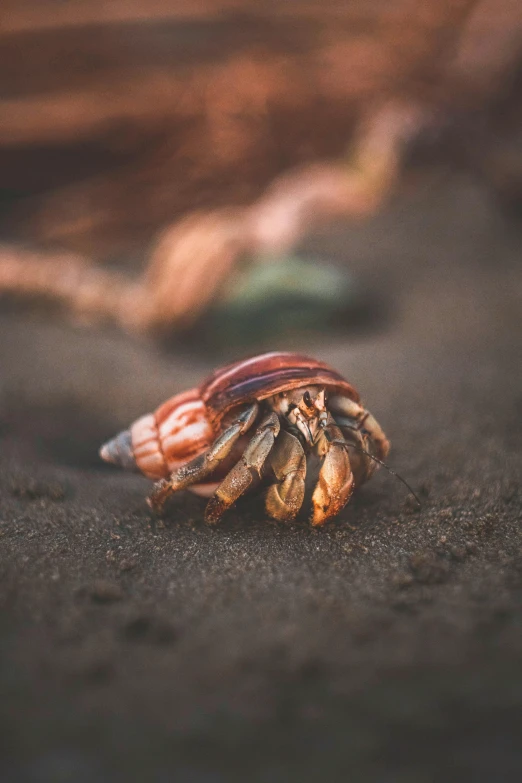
(385, 647)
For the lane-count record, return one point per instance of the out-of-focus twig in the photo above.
(236, 153)
(193, 257)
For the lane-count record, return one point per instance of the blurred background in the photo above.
(185, 183)
(153, 156)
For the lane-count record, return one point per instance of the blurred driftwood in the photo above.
(228, 127)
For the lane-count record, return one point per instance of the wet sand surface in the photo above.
(384, 647)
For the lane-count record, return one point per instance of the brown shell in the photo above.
(187, 424)
(262, 376)
(174, 433)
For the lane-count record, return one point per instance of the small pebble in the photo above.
(104, 592)
(30, 489)
(127, 564)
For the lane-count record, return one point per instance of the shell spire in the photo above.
(118, 451)
(161, 441)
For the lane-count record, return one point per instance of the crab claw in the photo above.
(335, 484)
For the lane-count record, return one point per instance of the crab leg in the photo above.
(335, 485)
(354, 416)
(288, 461)
(204, 464)
(363, 467)
(247, 470)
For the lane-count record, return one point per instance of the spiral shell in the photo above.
(262, 376)
(159, 442)
(188, 423)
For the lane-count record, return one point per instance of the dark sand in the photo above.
(385, 647)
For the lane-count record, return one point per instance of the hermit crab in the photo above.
(265, 421)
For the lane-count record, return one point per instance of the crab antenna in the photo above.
(380, 462)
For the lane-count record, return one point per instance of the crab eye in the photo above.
(307, 399)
